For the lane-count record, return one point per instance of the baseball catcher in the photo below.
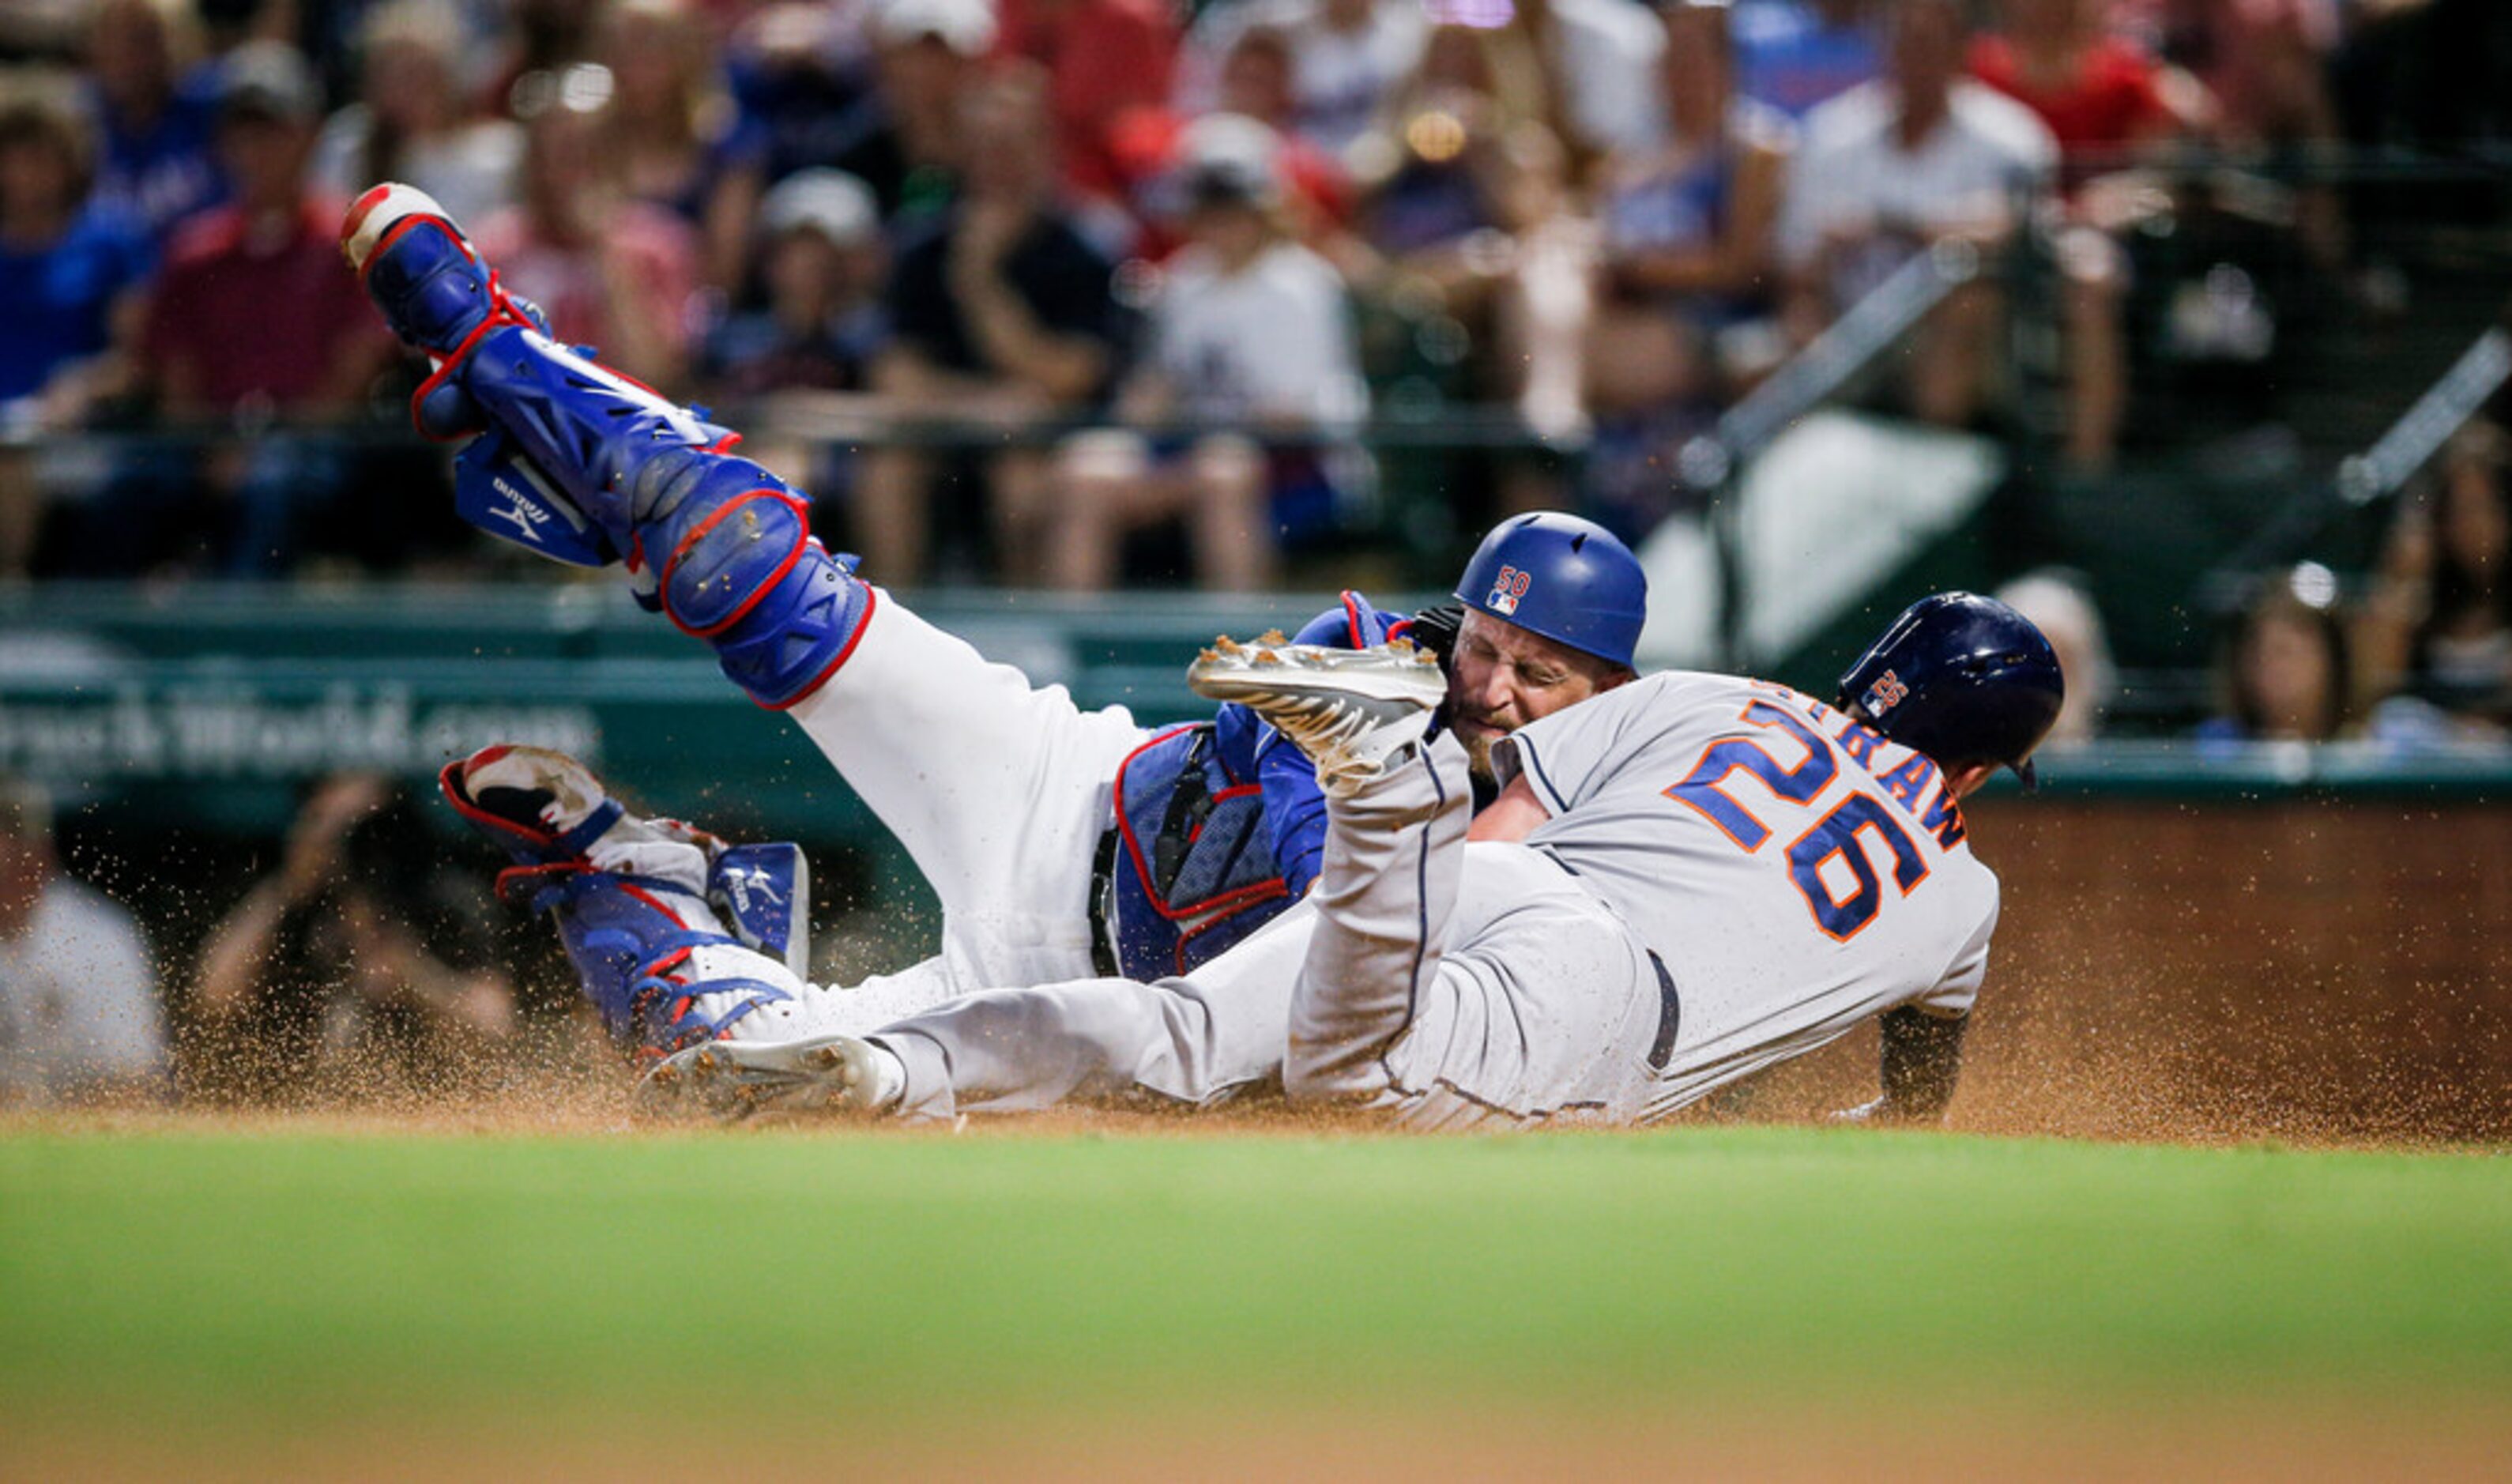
(1684, 881)
(1062, 843)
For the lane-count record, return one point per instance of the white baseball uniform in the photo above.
(1735, 873)
(1000, 791)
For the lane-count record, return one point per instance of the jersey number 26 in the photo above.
(1835, 835)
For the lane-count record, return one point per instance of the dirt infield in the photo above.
(2319, 972)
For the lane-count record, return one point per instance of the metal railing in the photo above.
(2377, 474)
(1713, 463)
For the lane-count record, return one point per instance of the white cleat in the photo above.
(733, 1081)
(1355, 712)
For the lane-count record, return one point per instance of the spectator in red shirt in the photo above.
(616, 272)
(2107, 101)
(254, 317)
(2101, 94)
(1104, 59)
(255, 322)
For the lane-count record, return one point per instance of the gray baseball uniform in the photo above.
(1734, 874)
(1793, 870)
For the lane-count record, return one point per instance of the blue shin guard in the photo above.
(734, 563)
(588, 427)
(729, 545)
(500, 492)
(640, 961)
(764, 893)
(649, 949)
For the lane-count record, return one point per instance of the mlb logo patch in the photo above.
(1507, 589)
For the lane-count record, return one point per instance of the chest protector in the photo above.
(1194, 869)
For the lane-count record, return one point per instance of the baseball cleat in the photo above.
(1353, 711)
(733, 1080)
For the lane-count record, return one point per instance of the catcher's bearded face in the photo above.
(1502, 677)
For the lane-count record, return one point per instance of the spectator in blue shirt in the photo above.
(1792, 54)
(67, 265)
(158, 116)
(69, 271)
(824, 267)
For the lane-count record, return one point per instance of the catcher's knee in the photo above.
(737, 566)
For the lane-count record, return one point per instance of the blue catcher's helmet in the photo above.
(1960, 678)
(1570, 580)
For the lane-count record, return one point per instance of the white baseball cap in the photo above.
(965, 26)
(1229, 156)
(830, 202)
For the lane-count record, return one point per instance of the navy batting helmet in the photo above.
(1960, 678)
(1570, 580)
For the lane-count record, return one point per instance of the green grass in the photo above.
(260, 1277)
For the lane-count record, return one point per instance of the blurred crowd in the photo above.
(1069, 291)
(365, 965)
(2419, 659)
